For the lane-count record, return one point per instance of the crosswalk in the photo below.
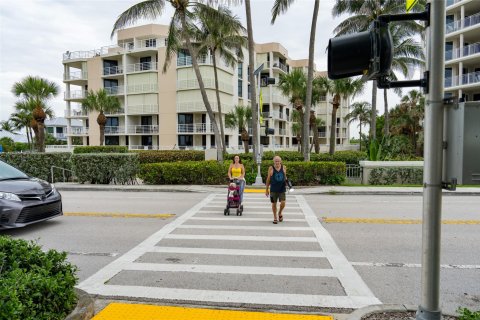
(204, 256)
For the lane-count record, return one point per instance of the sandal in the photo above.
(280, 218)
(275, 221)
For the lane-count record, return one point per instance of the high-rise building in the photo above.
(462, 49)
(163, 108)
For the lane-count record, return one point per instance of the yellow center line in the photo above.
(393, 221)
(254, 190)
(118, 215)
(124, 311)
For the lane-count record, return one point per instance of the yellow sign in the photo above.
(260, 103)
(411, 4)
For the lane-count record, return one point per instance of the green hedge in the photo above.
(211, 172)
(35, 285)
(101, 149)
(389, 176)
(39, 164)
(154, 156)
(105, 168)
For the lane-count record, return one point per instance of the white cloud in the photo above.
(35, 33)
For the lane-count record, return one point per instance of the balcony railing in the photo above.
(282, 131)
(114, 130)
(142, 66)
(78, 113)
(119, 111)
(279, 65)
(465, 52)
(462, 24)
(86, 54)
(75, 94)
(142, 88)
(195, 128)
(115, 90)
(78, 131)
(75, 75)
(208, 82)
(138, 44)
(143, 109)
(108, 71)
(141, 147)
(187, 60)
(468, 78)
(143, 129)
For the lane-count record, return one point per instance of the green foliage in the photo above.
(105, 168)
(211, 172)
(39, 164)
(35, 285)
(349, 157)
(154, 156)
(466, 314)
(51, 140)
(389, 176)
(100, 149)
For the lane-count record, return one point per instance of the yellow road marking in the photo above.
(254, 190)
(118, 215)
(393, 221)
(124, 311)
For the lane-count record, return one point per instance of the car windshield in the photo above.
(8, 172)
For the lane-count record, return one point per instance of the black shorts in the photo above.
(275, 196)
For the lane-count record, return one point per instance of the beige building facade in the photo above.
(165, 110)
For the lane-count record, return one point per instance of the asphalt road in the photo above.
(385, 250)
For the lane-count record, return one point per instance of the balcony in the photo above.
(465, 52)
(462, 24)
(279, 65)
(142, 129)
(75, 95)
(466, 79)
(142, 88)
(113, 130)
(115, 90)
(77, 131)
(275, 115)
(192, 84)
(282, 131)
(110, 71)
(78, 114)
(194, 128)
(143, 109)
(142, 66)
(141, 147)
(76, 75)
(115, 113)
(83, 55)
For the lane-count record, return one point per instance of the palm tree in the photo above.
(340, 88)
(315, 123)
(179, 34)
(281, 6)
(219, 33)
(36, 91)
(8, 126)
(407, 53)
(361, 14)
(101, 102)
(407, 116)
(22, 119)
(239, 118)
(297, 119)
(361, 112)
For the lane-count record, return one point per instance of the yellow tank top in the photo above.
(236, 172)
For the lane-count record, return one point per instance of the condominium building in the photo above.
(163, 109)
(462, 49)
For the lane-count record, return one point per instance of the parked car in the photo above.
(25, 200)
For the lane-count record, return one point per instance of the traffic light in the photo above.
(267, 81)
(367, 53)
(269, 131)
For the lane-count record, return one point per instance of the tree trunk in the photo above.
(253, 91)
(245, 138)
(360, 142)
(41, 136)
(373, 122)
(202, 88)
(34, 125)
(308, 102)
(386, 126)
(102, 120)
(102, 134)
(314, 127)
(222, 131)
(333, 130)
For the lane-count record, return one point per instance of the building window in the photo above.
(112, 122)
(151, 43)
(185, 141)
(183, 58)
(448, 77)
(147, 140)
(448, 50)
(111, 86)
(50, 130)
(110, 67)
(240, 79)
(112, 140)
(145, 63)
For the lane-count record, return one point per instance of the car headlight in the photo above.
(9, 196)
(54, 190)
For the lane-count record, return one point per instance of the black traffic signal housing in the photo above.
(367, 53)
(269, 131)
(265, 81)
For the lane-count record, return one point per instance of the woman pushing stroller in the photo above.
(237, 171)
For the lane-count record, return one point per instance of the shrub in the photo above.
(39, 164)
(154, 156)
(211, 172)
(466, 314)
(100, 149)
(105, 168)
(389, 176)
(35, 285)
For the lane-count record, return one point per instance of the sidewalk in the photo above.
(331, 190)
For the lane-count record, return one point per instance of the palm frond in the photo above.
(149, 9)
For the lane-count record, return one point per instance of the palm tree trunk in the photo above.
(102, 134)
(41, 136)
(222, 131)
(373, 122)
(308, 102)
(360, 140)
(386, 126)
(251, 67)
(202, 89)
(333, 129)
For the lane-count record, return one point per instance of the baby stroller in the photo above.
(234, 198)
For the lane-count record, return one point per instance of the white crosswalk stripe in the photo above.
(299, 253)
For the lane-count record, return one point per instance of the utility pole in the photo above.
(429, 308)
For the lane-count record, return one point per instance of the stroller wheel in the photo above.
(228, 212)
(241, 207)
(238, 212)
(225, 211)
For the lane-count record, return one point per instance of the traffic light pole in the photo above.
(429, 308)
(258, 155)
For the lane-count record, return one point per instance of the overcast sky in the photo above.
(35, 33)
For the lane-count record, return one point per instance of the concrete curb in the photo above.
(368, 310)
(85, 309)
